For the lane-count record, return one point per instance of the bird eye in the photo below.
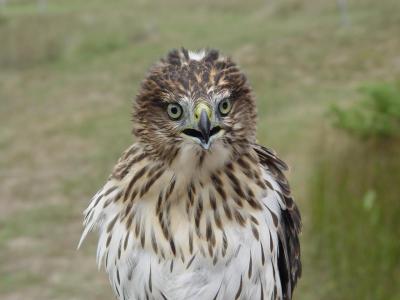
(224, 107)
(174, 111)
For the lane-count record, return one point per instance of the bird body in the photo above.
(195, 209)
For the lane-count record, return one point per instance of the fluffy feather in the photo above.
(179, 222)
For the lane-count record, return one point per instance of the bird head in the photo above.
(200, 101)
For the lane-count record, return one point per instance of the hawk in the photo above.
(195, 208)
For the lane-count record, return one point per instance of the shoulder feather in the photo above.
(289, 262)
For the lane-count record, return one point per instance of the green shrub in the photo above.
(377, 115)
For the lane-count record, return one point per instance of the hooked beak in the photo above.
(204, 126)
(201, 130)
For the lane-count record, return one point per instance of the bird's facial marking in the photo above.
(205, 126)
(200, 107)
(202, 120)
(227, 114)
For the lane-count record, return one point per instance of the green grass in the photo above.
(354, 220)
(69, 72)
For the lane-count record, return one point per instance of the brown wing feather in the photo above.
(289, 262)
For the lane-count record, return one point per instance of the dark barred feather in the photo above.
(172, 208)
(290, 224)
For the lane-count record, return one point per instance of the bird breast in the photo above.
(165, 234)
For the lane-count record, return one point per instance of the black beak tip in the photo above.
(205, 126)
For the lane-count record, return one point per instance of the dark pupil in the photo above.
(225, 105)
(174, 110)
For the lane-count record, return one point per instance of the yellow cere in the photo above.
(199, 108)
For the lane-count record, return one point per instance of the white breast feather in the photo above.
(142, 272)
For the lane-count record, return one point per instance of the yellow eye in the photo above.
(174, 111)
(224, 107)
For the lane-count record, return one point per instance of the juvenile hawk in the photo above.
(196, 209)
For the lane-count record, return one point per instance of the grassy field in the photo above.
(70, 69)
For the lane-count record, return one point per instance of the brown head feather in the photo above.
(180, 76)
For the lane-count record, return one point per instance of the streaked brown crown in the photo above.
(180, 76)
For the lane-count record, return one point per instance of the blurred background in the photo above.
(326, 75)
